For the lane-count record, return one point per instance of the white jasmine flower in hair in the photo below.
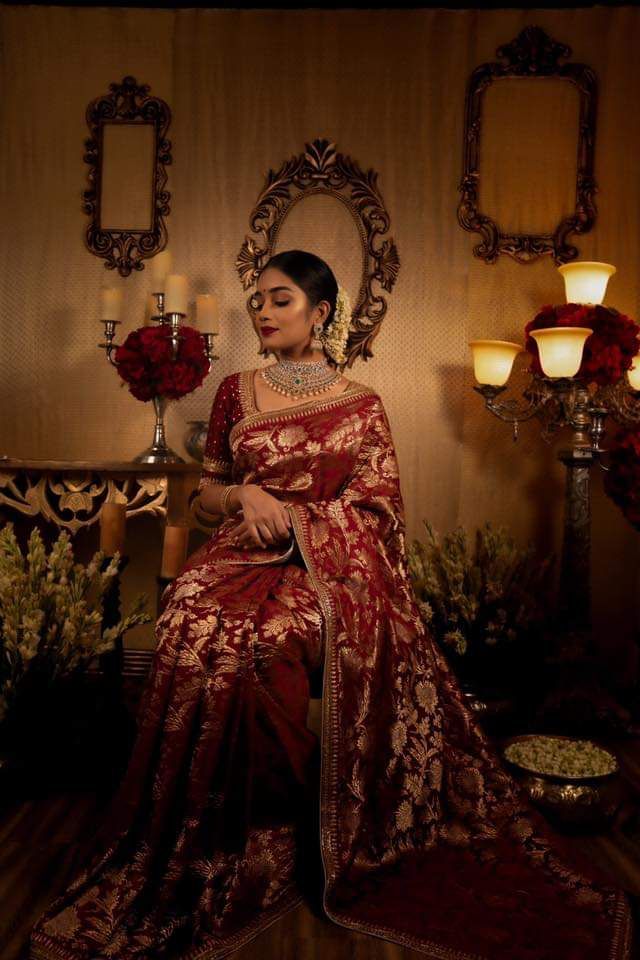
(336, 335)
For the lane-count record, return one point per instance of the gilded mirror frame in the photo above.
(127, 103)
(532, 54)
(321, 170)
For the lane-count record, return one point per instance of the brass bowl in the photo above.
(490, 706)
(493, 711)
(572, 801)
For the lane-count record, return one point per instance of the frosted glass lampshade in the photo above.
(493, 360)
(560, 349)
(633, 375)
(586, 281)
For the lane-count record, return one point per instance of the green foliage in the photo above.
(51, 611)
(492, 596)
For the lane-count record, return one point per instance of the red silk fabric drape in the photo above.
(426, 839)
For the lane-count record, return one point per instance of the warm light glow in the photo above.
(207, 312)
(110, 303)
(493, 360)
(560, 349)
(176, 293)
(633, 375)
(160, 268)
(586, 281)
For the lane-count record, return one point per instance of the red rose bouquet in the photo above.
(608, 353)
(145, 361)
(622, 480)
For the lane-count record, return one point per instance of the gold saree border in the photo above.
(251, 415)
(47, 950)
(216, 465)
(329, 763)
(250, 932)
(281, 558)
(620, 948)
(329, 731)
(620, 945)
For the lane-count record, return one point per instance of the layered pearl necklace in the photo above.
(298, 378)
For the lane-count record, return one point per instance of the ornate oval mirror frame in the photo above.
(533, 54)
(320, 170)
(125, 248)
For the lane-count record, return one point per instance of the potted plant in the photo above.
(487, 606)
(51, 631)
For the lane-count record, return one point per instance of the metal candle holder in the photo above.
(557, 403)
(159, 451)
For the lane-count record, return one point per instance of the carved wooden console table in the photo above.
(71, 493)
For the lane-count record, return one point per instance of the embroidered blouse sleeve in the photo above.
(217, 462)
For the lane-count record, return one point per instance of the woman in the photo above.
(425, 839)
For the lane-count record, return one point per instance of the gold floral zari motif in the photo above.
(426, 840)
(214, 471)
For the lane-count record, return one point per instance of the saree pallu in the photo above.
(425, 838)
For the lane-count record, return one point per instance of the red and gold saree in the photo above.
(425, 838)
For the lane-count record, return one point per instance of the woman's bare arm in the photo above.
(264, 518)
(211, 494)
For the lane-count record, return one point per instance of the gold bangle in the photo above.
(224, 499)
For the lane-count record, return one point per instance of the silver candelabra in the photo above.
(159, 451)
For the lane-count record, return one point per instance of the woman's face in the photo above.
(283, 316)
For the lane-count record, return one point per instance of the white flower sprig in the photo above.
(472, 597)
(335, 337)
(51, 611)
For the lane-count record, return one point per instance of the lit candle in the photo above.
(151, 310)
(160, 267)
(110, 303)
(174, 551)
(175, 294)
(207, 315)
(112, 527)
(493, 360)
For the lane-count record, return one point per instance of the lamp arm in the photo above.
(511, 411)
(621, 402)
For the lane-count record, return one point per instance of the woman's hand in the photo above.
(265, 519)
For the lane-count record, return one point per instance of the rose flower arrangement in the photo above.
(146, 363)
(622, 480)
(608, 353)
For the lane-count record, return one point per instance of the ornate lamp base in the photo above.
(159, 452)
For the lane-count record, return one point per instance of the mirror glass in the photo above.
(128, 176)
(529, 153)
(324, 225)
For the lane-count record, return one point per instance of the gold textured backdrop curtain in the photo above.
(247, 90)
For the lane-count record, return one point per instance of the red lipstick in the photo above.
(267, 331)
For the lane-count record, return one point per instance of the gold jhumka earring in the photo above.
(317, 343)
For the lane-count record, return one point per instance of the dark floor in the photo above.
(45, 833)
